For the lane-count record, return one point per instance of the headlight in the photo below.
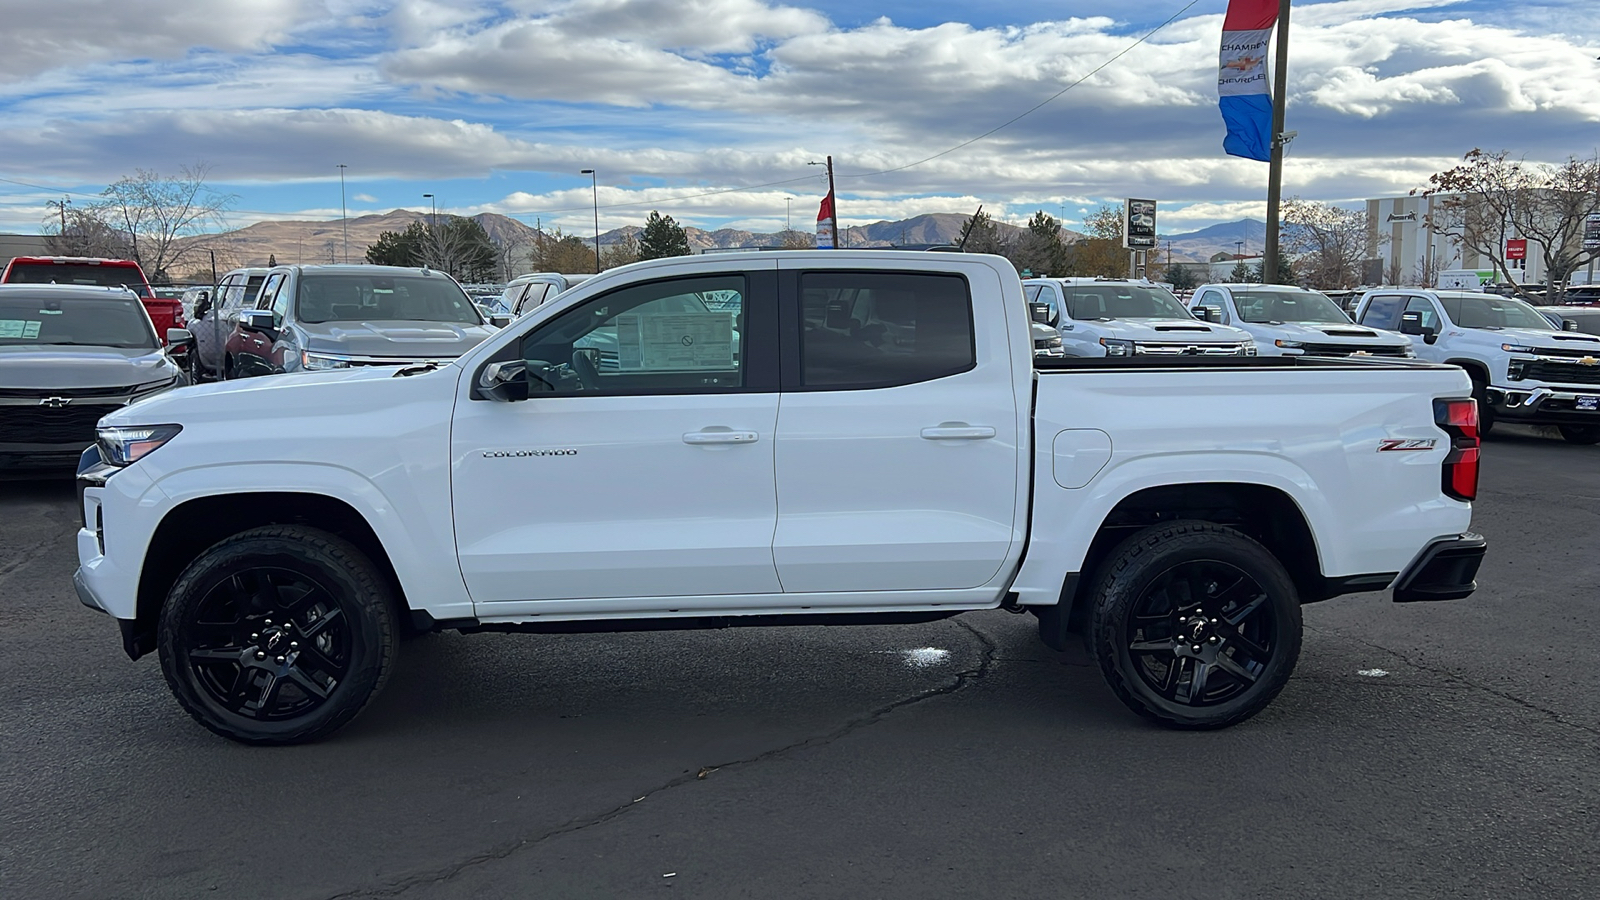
(1047, 343)
(1250, 348)
(122, 445)
(1289, 345)
(1517, 348)
(311, 360)
(1117, 348)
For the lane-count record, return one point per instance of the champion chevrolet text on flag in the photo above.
(1242, 91)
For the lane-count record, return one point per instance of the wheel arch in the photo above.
(1267, 514)
(193, 526)
(1474, 367)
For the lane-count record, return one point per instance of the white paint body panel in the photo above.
(839, 504)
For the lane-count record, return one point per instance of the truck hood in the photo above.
(1330, 333)
(404, 339)
(1169, 330)
(68, 368)
(262, 401)
(1528, 337)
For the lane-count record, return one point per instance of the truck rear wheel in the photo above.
(1195, 625)
(277, 635)
(1581, 434)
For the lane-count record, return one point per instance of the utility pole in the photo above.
(786, 202)
(344, 214)
(835, 197)
(594, 194)
(61, 205)
(1280, 82)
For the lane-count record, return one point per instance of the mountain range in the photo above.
(326, 241)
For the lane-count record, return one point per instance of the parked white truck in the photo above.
(1292, 321)
(841, 437)
(1120, 318)
(1523, 369)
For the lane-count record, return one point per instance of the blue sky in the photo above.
(496, 106)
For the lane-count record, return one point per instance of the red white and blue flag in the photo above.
(1242, 91)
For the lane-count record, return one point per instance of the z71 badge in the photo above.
(1388, 444)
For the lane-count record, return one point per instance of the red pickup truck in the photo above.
(164, 313)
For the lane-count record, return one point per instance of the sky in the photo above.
(711, 111)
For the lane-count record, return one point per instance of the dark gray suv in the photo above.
(336, 317)
(68, 355)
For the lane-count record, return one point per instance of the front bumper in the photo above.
(1548, 405)
(1445, 570)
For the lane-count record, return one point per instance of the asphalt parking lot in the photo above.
(1445, 750)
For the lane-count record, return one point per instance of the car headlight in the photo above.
(123, 445)
(1047, 343)
(1517, 348)
(1250, 348)
(1289, 345)
(311, 360)
(1115, 347)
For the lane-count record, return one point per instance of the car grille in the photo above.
(74, 393)
(1589, 351)
(1560, 372)
(1349, 349)
(46, 425)
(1152, 348)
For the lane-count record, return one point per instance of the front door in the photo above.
(641, 464)
(897, 448)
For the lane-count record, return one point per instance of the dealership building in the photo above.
(1401, 248)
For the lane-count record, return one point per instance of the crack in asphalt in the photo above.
(1456, 676)
(961, 681)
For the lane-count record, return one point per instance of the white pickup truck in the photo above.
(841, 437)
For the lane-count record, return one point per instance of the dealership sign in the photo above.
(1139, 224)
(1591, 232)
(1517, 248)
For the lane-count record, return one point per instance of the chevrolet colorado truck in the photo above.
(807, 437)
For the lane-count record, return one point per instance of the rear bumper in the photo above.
(1445, 570)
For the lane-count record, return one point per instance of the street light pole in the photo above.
(786, 202)
(344, 214)
(594, 193)
(433, 217)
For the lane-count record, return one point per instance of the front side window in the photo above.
(350, 297)
(280, 304)
(1116, 300)
(114, 321)
(664, 337)
(1430, 316)
(881, 329)
(1269, 306)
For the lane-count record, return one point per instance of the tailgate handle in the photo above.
(958, 431)
(720, 437)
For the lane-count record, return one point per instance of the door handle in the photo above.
(720, 437)
(958, 431)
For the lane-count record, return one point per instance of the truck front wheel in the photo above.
(1581, 434)
(1195, 625)
(277, 635)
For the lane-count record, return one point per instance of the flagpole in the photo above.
(835, 198)
(1280, 77)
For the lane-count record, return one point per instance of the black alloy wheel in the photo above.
(1195, 625)
(1580, 434)
(277, 635)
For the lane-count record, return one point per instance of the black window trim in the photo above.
(759, 366)
(791, 314)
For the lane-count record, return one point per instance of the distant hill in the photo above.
(324, 241)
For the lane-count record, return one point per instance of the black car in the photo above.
(69, 355)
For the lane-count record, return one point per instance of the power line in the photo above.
(659, 200)
(53, 190)
(1036, 107)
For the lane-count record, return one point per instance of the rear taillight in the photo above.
(1459, 419)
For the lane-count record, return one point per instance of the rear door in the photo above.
(897, 444)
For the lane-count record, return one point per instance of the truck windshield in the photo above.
(1116, 300)
(405, 298)
(75, 321)
(1263, 306)
(79, 273)
(1489, 311)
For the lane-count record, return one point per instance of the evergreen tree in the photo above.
(1180, 277)
(402, 248)
(1242, 274)
(1040, 252)
(1285, 270)
(979, 235)
(662, 237)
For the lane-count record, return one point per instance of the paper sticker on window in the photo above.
(683, 342)
(18, 328)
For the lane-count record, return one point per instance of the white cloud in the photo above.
(364, 198)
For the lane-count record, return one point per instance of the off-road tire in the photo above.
(1136, 564)
(350, 582)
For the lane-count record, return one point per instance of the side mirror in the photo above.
(499, 321)
(1411, 323)
(1041, 313)
(1205, 313)
(506, 382)
(1569, 325)
(256, 320)
(179, 337)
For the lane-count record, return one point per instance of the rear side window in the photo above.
(1383, 312)
(882, 329)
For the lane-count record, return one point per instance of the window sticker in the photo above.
(679, 342)
(18, 328)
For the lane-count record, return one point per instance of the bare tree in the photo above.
(1328, 243)
(1394, 272)
(558, 252)
(624, 251)
(84, 234)
(157, 211)
(1101, 253)
(797, 240)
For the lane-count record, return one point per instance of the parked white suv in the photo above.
(1522, 368)
(1292, 321)
(1122, 318)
